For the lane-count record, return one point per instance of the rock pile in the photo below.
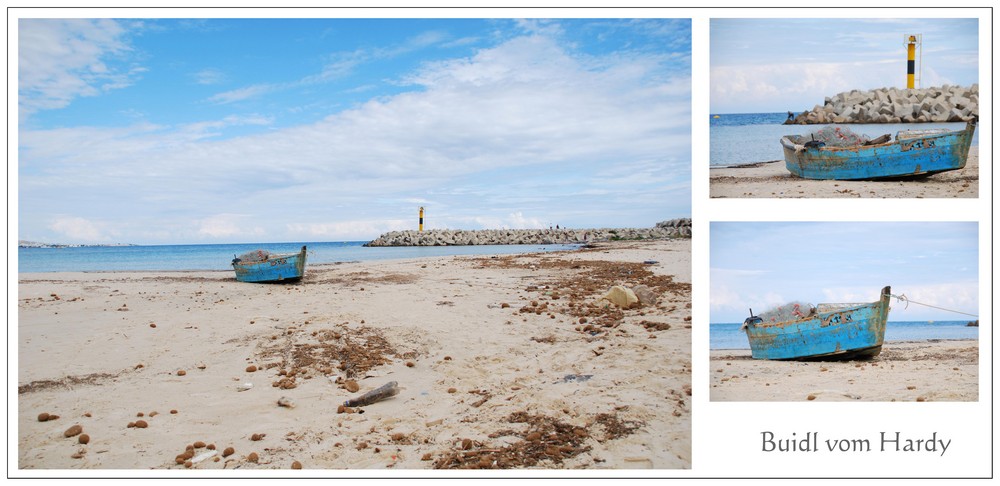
(677, 228)
(896, 105)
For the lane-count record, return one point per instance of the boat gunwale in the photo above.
(271, 256)
(818, 315)
(788, 143)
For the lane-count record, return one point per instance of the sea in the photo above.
(220, 256)
(745, 138)
(729, 336)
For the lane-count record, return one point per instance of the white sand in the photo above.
(941, 371)
(614, 397)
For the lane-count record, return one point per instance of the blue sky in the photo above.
(778, 65)
(160, 131)
(762, 265)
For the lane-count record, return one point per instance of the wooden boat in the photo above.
(914, 152)
(830, 332)
(261, 266)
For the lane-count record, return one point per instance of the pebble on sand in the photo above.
(73, 431)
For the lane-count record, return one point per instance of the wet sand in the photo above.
(501, 362)
(772, 180)
(926, 371)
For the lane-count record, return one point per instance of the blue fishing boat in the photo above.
(827, 332)
(913, 153)
(262, 266)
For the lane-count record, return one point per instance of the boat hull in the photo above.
(852, 332)
(277, 268)
(923, 154)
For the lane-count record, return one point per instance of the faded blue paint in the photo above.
(854, 331)
(276, 268)
(918, 152)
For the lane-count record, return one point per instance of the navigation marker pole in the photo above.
(912, 42)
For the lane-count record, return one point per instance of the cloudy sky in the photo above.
(762, 265)
(160, 131)
(779, 65)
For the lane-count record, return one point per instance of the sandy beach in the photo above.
(926, 371)
(501, 362)
(772, 180)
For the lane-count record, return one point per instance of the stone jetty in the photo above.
(895, 105)
(676, 228)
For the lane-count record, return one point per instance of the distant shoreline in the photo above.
(35, 244)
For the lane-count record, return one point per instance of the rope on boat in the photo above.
(904, 298)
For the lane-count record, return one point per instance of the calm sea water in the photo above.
(744, 138)
(729, 336)
(218, 257)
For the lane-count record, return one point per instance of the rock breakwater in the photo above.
(895, 105)
(676, 228)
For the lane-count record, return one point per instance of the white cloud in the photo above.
(228, 226)
(78, 229)
(950, 296)
(352, 230)
(476, 128)
(795, 87)
(242, 93)
(515, 220)
(60, 60)
(209, 76)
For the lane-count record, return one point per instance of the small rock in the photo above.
(621, 297)
(645, 295)
(73, 431)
